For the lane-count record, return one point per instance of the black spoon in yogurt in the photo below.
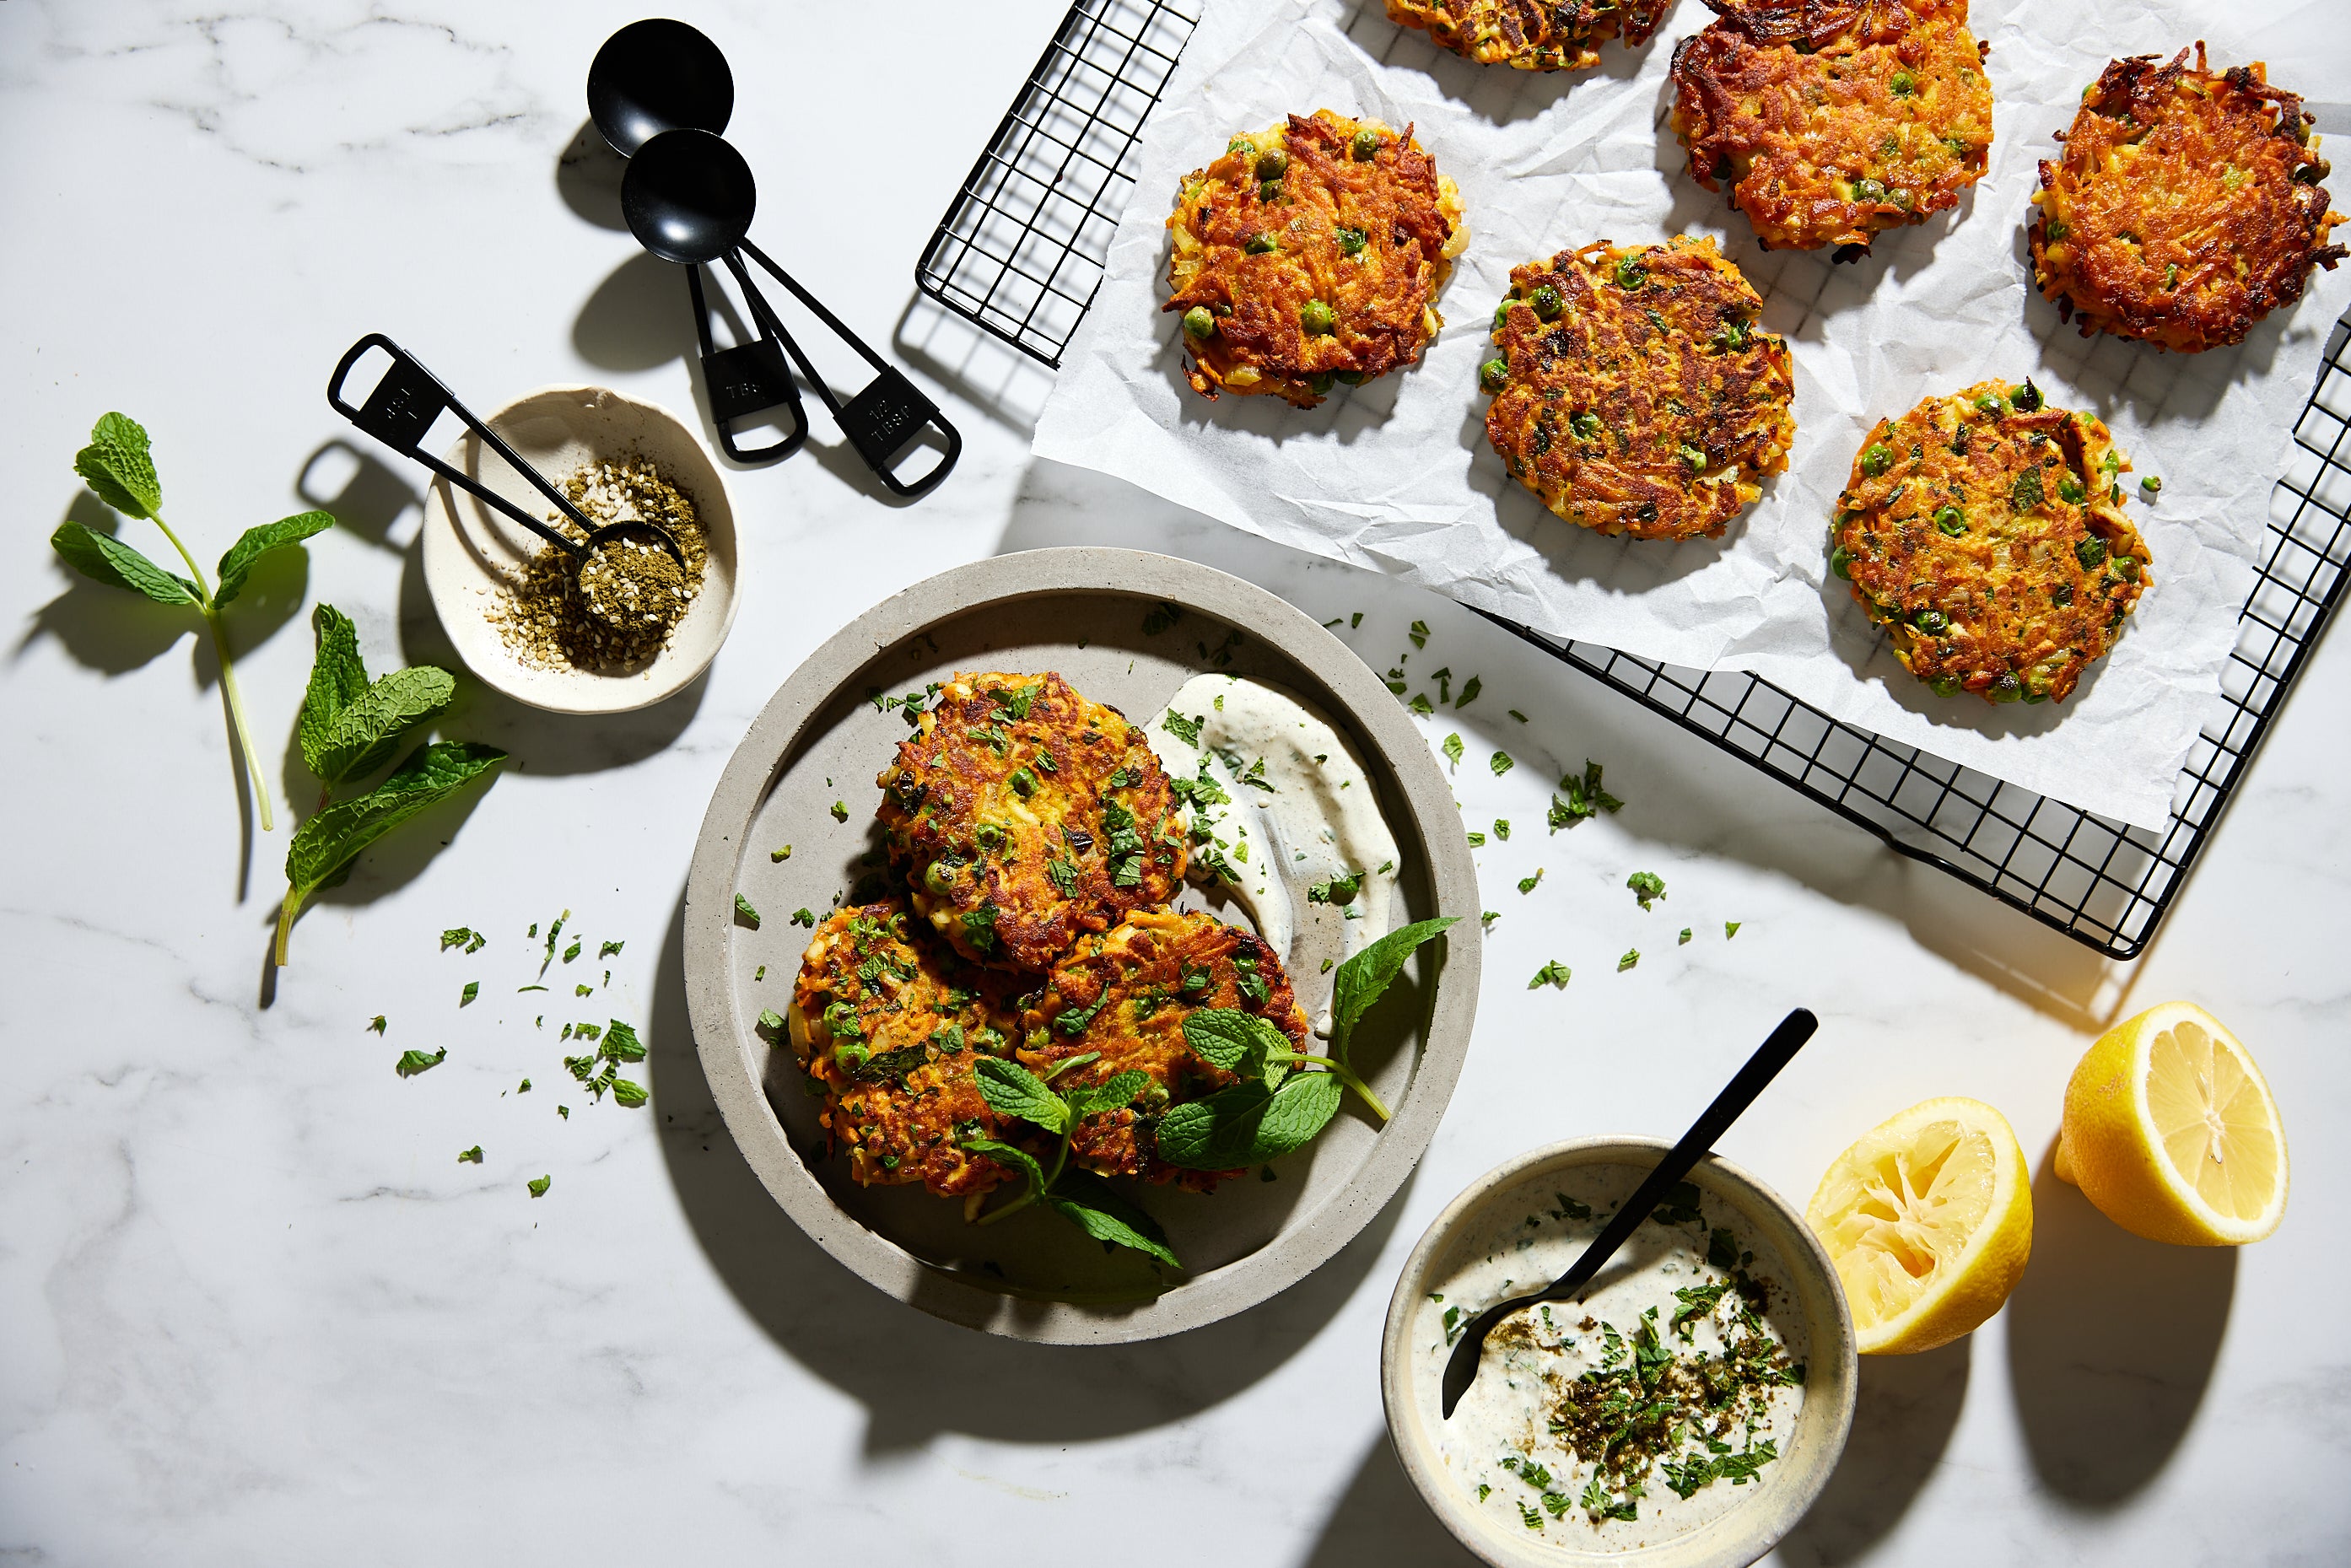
(1775, 1053)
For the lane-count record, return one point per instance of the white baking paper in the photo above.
(1396, 475)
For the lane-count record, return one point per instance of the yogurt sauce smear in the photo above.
(1280, 807)
(1657, 1403)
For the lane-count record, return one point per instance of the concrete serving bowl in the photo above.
(472, 553)
(1782, 1490)
(1127, 629)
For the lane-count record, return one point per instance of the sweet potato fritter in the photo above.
(1834, 119)
(890, 1023)
(1532, 34)
(2187, 205)
(1633, 393)
(1985, 531)
(1126, 995)
(1311, 252)
(1024, 814)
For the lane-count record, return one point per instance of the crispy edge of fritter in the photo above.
(1930, 571)
(1647, 500)
(880, 1108)
(1102, 982)
(1717, 72)
(1259, 344)
(2244, 252)
(1529, 35)
(1035, 889)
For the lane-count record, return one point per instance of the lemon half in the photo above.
(2171, 1130)
(1928, 1220)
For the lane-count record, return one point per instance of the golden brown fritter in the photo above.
(1532, 34)
(1632, 391)
(1985, 531)
(1024, 814)
(890, 1023)
(1126, 994)
(2187, 205)
(1310, 253)
(1833, 119)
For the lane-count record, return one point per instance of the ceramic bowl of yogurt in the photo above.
(1684, 1414)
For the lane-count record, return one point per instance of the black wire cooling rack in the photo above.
(1021, 252)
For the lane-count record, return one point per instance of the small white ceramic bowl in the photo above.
(470, 552)
(1781, 1492)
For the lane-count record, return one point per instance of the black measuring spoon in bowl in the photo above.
(689, 197)
(658, 75)
(1775, 1053)
(400, 411)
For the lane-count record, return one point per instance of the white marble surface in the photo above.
(257, 1311)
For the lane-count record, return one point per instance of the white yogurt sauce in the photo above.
(1520, 1241)
(1298, 812)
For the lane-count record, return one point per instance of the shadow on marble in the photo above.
(1908, 1407)
(110, 630)
(638, 319)
(2111, 1345)
(1687, 792)
(588, 177)
(370, 497)
(918, 1376)
(548, 744)
(1001, 380)
(1381, 1522)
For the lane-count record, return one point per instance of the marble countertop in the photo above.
(257, 1311)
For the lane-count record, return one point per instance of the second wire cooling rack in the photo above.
(1021, 252)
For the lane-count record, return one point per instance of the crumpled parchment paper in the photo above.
(1396, 475)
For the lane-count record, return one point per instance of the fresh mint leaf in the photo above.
(1421, 704)
(1094, 1207)
(1337, 890)
(1554, 973)
(119, 466)
(1011, 1157)
(1646, 887)
(630, 1094)
(364, 732)
(1120, 1089)
(412, 1062)
(538, 1185)
(744, 913)
(1231, 1040)
(470, 1156)
(333, 839)
(1502, 829)
(1011, 1090)
(256, 542)
(1366, 978)
(337, 676)
(104, 559)
(1302, 1108)
(1216, 1133)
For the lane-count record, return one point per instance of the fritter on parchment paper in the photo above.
(1532, 34)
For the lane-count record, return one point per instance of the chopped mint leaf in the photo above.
(520, 989)
(573, 951)
(1685, 936)
(606, 950)
(1527, 884)
(1477, 840)
(784, 853)
(1326, 966)
(1338, 890)
(1163, 615)
(1584, 798)
(1186, 730)
(1646, 887)
(525, 1087)
(839, 811)
(760, 973)
(1730, 929)
(772, 1021)
(1469, 690)
(1354, 620)
(564, 1112)
(1502, 829)
(377, 1023)
(583, 991)
(538, 1185)
(472, 1155)
(1516, 714)
(456, 936)
(744, 913)
(1421, 704)
(412, 1062)
(1452, 749)
(1419, 633)
(1487, 919)
(804, 916)
(1334, 621)
(1502, 762)
(1631, 958)
(1554, 974)
(473, 988)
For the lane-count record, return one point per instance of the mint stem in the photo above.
(1060, 1158)
(1339, 1071)
(229, 691)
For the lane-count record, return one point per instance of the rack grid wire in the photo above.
(1021, 251)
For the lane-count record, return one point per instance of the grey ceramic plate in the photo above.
(822, 739)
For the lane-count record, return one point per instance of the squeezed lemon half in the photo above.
(2171, 1130)
(1928, 1219)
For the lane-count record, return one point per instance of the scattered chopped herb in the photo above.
(1419, 633)
(1502, 762)
(1632, 956)
(412, 1062)
(462, 936)
(1186, 730)
(608, 949)
(525, 1087)
(473, 988)
(1354, 620)
(1527, 884)
(1685, 936)
(1452, 749)
(1477, 839)
(1469, 690)
(744, 913)
(1729, 929)
(520, 989)
(839, 811)
(1488, 918)
(538, 1185)
(2152, 483)
(1554, 974)
(582, 991)
(377, 1023)
(1646, 887)
(1163, 615)
(573, 951)
(1337, 890)
(1421, 704)
(564, 1112)
(470, 1156)
(1502, 829)
(1585, 798)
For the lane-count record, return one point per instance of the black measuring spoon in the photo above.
(399, 412)
(1775, 1053)
(689, 198)
(658, 75)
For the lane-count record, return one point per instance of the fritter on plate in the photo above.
(1126, 994)
(1311, 252)
(2187, 205)
(890, 1023)
(1024, 814)
(1632, 391)
(1833, 121)
(1532, 34)
(1985, 531)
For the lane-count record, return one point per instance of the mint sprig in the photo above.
(119, 466)
(1083, 1200)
